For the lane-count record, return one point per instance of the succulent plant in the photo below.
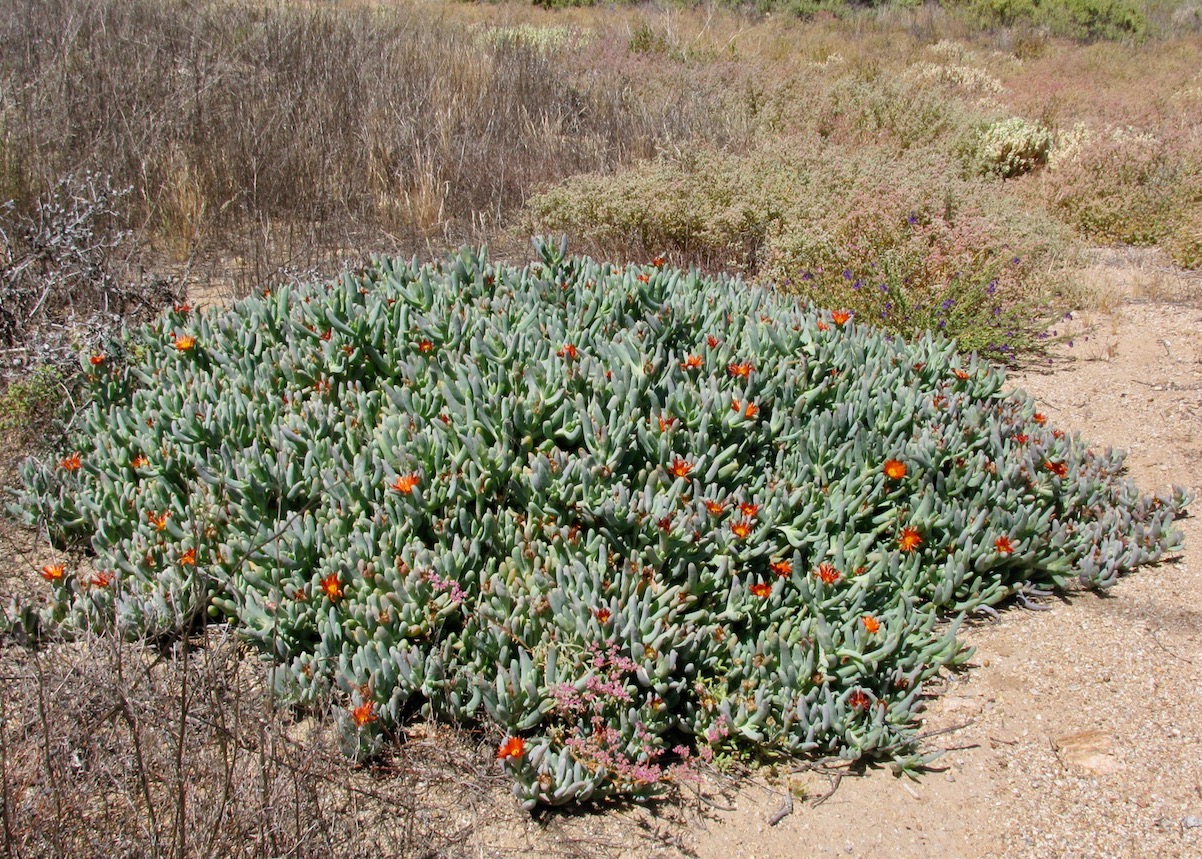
(632, 516)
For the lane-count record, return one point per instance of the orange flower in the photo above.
(182, 308)
(602, 614)
(658, 262)
(331, 586)
(822, 326)
(827, 573)
(781, 568)
(752, 410)
(1020, 438)
(741, 529)
(664, 524)
(97, 360)
(364, 714)
(871, 624)
(740, 371)
(326, 335)
(840, 317)
(140, 461)
(53, 572)
(185, 343)
(909, 540)
(404, 483)
(894, 469)
(715, 508)
(426, 346)
(680, 468)
(736, 405)
(70, 463)
(762, 590)
(1057, 433)
(858, 700)
(569, 351)
(643, 278)
(665, 423)
(749, 510)
(158, 521)
(1039, 418)
(188, 558)
(711, 341)
(960, 374)
(102, 579)
(1003, 545)
(691, 362)
(1060, 469)
(513, 747)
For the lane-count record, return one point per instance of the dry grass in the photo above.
(234, 121)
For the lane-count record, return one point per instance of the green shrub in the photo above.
(631, 516)
(30, 403)
(894, 236)
(1184, 243)
(881, 111)
(1077, 19)
(1123, 186)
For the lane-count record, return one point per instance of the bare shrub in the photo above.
(68, 274)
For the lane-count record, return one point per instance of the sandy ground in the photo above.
(1076, 728)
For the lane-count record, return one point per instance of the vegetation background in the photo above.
(939, 166)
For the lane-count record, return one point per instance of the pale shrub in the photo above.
(1011, 147)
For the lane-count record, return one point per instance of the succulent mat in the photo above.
(632, 516)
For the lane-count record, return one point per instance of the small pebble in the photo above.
(1191, 822)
